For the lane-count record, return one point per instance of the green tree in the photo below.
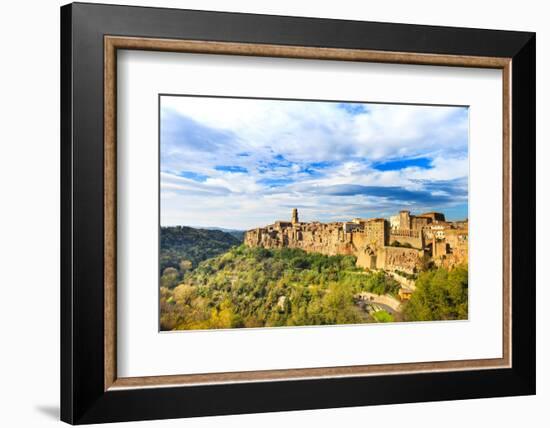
(170, 277)
(380, 283)
(339, 306)
(185, 265)
(440, 295)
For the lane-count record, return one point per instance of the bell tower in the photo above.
(294, 219)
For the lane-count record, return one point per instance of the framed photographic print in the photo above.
(265, 213)
(234, 163)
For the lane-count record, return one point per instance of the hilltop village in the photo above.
(403, 243)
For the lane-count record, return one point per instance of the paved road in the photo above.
(384, 299)
(386, 308)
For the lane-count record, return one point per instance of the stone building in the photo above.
(433, 216)
(352, 226)
(395, 222)
(376, 242)
(404, 220)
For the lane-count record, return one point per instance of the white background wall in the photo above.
(29, 214)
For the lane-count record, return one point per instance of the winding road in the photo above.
(388, 303)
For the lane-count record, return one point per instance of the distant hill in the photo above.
(187, 243)
(239, 234)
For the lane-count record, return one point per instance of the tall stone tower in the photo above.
(404, 220)
(294, 216)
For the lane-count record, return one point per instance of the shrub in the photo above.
(382, 316)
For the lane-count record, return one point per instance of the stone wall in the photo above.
(395, 258)
(412, 237)
(456, 248)
(366, 257)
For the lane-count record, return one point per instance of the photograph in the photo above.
(282, 212)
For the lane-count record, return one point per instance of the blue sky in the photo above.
(243, 163)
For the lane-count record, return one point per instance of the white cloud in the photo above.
(284, 150)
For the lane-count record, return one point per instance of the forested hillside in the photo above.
(184, 247)
(256, 287)
(239, 234)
